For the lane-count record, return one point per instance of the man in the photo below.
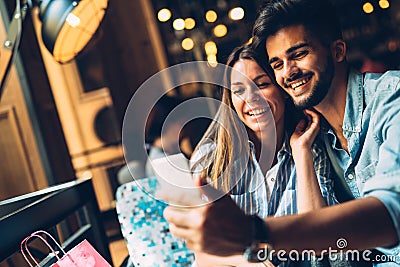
(304, 46)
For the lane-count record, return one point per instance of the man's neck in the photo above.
(334, 104)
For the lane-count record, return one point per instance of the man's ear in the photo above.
(339, 50)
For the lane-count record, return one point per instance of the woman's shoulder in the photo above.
(202, 154)
(202, 150)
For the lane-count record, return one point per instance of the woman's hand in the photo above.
(309, 195)
(305, 132)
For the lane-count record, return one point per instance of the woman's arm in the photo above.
(309, 195)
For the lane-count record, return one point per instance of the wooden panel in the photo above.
(77, 110)
(16, 174)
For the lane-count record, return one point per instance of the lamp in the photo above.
(67, 27)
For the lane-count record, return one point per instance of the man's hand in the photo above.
(219, 228)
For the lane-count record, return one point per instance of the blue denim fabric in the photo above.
(371, 126)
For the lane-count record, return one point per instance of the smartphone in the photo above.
(175, 181)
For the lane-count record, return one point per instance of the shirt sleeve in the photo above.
(200, 160)
(385, 183)
(323, 170)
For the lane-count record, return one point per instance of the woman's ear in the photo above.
(339, 50)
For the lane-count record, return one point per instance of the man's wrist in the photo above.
(259, 229)
(259, 235)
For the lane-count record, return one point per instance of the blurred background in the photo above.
(61, 121)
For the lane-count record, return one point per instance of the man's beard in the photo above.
(320, 90)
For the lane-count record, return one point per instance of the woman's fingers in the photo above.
(306, 131)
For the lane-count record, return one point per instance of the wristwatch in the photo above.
(257, 251)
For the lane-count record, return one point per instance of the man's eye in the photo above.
(277, 65)
(300, 54)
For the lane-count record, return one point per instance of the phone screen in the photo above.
(176, 185)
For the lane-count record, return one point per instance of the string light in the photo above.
(236, 13)
(187, 44)
(384, 4)
(220, 30)
(178, 24)
(212, 60)
(368, 8)
(211, 48)
(190, 23)
(164, 15)
(211, 16)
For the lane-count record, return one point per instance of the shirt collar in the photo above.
(285, 147)
(327, 130)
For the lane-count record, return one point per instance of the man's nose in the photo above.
(290, 69)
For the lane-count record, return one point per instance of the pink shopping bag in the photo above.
(82, 255)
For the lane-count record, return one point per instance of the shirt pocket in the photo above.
(247, 202)
(363, 173)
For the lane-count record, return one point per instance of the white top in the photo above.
(270, 178)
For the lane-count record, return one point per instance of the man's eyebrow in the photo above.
(295, 47)
(290, 50)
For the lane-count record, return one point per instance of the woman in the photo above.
(244, 169)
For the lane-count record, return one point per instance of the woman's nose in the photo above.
(253, 95)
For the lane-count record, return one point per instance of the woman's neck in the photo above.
(267, 148)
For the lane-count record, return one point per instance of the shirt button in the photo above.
(272, 179)
(350, 176)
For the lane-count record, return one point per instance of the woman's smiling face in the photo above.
(253, 103)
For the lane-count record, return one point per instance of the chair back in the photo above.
(144, 228)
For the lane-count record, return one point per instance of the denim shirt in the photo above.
(371, 126)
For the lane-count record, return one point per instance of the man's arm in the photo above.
(363, 223)
(221, 228)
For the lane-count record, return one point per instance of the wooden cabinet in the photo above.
(21, 163)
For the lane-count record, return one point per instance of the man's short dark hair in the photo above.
(317, 16)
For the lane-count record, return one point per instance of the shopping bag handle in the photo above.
(24, 246)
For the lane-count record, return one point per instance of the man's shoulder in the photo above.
(391, 77)
(378, 86)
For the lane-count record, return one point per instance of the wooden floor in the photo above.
(118, 251)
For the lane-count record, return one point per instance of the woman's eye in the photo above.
(263, 85)
(238, 91)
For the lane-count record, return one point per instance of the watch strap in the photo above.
(255, 252)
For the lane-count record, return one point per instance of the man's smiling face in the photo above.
(302, 65)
